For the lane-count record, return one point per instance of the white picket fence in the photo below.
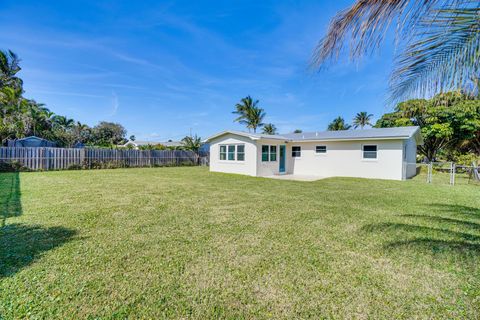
(88, 158)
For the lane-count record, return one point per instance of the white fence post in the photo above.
(452, 173)
(429, 173)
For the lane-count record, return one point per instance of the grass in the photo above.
(186, 243)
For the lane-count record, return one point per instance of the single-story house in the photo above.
(31, 142)
(367, 153)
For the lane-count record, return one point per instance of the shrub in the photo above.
(75, 166)
(12, 166)
(466, 159)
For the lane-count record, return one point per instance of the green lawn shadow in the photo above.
(10, 196)
(449, 230)
(21, 245)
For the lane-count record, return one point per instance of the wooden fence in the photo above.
(62, 158)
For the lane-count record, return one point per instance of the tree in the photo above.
(242, 108)
(63, 122)
(269, 128)
(108, 134)
(338, 124)
(132, 138)
(297, 131)
(446, 121)
(362, 119)
(249, 114)
(466, 124)
(192, 143)
(157, 146)
(82, 132)
(438, 42)
(9, 67)
(21, 117)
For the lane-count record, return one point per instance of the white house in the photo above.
(369, 153)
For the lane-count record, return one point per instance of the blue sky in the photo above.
(163, 68)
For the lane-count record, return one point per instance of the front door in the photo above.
(281, 169)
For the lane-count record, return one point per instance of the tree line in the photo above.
(21, 117)
(449, 123)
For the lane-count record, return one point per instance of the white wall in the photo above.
(268, 168)
(248, 167)
(410, 157)
(345, 159)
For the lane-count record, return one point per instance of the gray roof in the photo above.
(253, 136)
(374, 133)
(360, 134)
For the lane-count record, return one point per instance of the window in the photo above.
(321, 149)
(369, 152)
(296, 151)
(273, 153)
(228, 152)
(223, 152)
(231, 152)
(269, 153)
(240, 152)
(265, 153)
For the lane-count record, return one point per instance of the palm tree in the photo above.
(244, 105)
(9, 66)
(63, 122)
(192, 143)
(438, 42)
(362, 119)
(249, 114)
(82, 132)
(254, 118)
(269, 128)
(338, 124)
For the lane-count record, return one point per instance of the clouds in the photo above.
(115, 104)
(176, 65)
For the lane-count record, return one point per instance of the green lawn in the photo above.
(186, 243)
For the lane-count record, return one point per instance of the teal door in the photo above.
(281, 169)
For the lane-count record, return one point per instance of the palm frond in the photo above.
(444, 58)
(364, 26)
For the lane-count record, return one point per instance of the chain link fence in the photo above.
(444, 173)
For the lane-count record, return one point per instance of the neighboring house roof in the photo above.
(342, 135)
(32, 141)
(172, 143)
(144, 143)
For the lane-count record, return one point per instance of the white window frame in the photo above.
(235, 152)
(376, 152)
(300, 152)
(269, 152)
(320, 153)
(220, 152)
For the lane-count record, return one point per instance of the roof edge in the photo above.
(252, 136)
(353, 139)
